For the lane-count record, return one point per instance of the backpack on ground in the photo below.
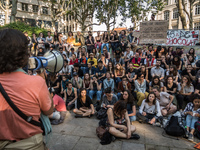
(197, 129)
(102, 113)
(174, 127)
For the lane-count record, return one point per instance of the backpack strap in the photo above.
(28, 119)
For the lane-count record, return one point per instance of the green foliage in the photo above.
(25, 28)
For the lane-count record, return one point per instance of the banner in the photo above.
(154, 32)
(182, 37)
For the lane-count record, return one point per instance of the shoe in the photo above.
(190, 137)
(56, 122)
(78, 116)
(187, 134)
(113, 138)
(135, 137)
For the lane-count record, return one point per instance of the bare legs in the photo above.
(121, 134)
(82, 111)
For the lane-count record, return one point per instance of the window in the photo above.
(197, 26)
(55, 11)
(24, 7)
(45, 10)
(197, 9)
(166, 15)
(175, 13)
(66, 17)
(175, 1)
(76, 26)
(35, 8)
(175, 27)
(70, 17)
(167, 2)
(67, 29)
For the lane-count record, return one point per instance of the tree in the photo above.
(182, 5)
(5, 6)
(107, 12)
(58, 9)
(139, 10)
(83, 11)
(13, 11)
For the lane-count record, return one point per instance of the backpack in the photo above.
(174, 128)
(197, 129)
(102, 113)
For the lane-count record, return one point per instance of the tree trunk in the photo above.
(108, 28)
(13, 11)
(181, 14)
(191, 17)
(53, 25)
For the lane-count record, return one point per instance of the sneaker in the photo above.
(187, 134)
(190, 137)
(135, 137)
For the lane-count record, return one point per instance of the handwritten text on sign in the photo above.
(182, 37)
(153, 32)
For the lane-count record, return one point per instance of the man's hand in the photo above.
(190, 113)
(167, 107)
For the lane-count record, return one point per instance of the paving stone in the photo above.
(150, 147)
(117, 145)
(134, 146)
(87, 144)
(86, 131)
(65, 142)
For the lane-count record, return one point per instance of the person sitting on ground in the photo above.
(76, 69)
(86, 82)
(192, 113)
(190, 72)
(122, 86)
(119, 73)
(104, 60)
(141, 88)
(128, 55)
(108, 99)
(165, 101)
(131, 73)
(95, 87)
(136, 61)
(59, 114)
(119, 123)
(119, 60)
(150, 61)
(83, 63)
(66, 70)
(149, 110)
(73, 60)
(70, 96)
(40, 52)
(85, 107)
(158, 71)
(108, 82)
(156, 82)
(130, 102)
(91, 70)
(77, 82)
(185, 89)
(92, 60)
(173, 72)
(64, 82)
(100, 71)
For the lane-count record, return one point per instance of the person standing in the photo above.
(15, 132)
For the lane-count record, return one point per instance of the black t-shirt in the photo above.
(162, 65)
(87, 103)
(184, 72)
(172, 88)
(197, 87)
(132, 73)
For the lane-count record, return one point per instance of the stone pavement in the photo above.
(80, 134)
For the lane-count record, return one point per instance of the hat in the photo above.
(75, 74)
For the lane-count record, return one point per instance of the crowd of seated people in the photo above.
(155, 77)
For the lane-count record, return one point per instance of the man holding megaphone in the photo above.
(28, 93)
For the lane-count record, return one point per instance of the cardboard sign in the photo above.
(136, 34)
(182, 37)
(154, 32)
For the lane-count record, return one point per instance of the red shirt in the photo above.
(59, 103)
(73, 62)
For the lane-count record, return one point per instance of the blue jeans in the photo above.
(83, 69)
(102, 46)
(190, 121)
(117, 80)
(130, 111)
(114, 46)
(92, 92)
(119, 95)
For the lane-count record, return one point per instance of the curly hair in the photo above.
(13, 50)
(119, 108)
